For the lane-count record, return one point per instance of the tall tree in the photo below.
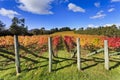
(35, 31)
(18, 26)
(42, 30)
(2, 26)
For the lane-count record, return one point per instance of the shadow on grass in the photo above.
(31, 52)
(33, 68)
(83, 60)
(87, 67)
(6, 68)
(115, 66)
(7, 57)
(13, 55)
(29, 69)
(28, 51)
(96, 60)
(54, 62)
(101, 60)
(1, 79)
(117, 63)
(64, 66)
(69, 64)
(66, 58)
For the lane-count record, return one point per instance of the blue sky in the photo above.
(61, 13)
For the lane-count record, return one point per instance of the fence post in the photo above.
(106, 55)
(78, 54)
(50, 53)
(17, 58)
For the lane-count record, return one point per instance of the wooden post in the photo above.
(17, 58)
(106, 55)
(78, 54)
(50, 53)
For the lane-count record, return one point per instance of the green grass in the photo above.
(64, 68)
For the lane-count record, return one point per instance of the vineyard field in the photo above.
(34, 57)
(42, 40)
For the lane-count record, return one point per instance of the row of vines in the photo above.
(59, 42)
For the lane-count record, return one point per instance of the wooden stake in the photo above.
(78, 54)
(17, 58)
(50, 53)
(106, 55)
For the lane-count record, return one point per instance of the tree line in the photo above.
(18, 27)
(110, 31)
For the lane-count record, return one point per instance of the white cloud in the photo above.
(97, 4)
(36, 6)
(75, 8)
(115, 0)
(63, 1)
(111, 9)
(107, 25)
(111, 24)
(99, 14)
(92, 25)
(8, 13)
